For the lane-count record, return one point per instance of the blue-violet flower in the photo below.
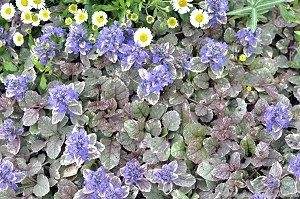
(16, 86)
(9, 131)
(248, 39)
(217, 10)
(214, 53)
(8, 176)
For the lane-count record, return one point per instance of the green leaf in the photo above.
(171, 120)
(293, 141)
(176, 194)
(178, 148)
(197, 65)
(9, 66)
(253, 19)
(132, 127)
(140, 109)
(204, 170)
(66, 189)
(158, 110)
(30, 117)
(43, 82)
(45, 126)
(76, 108)
(110, 157)
(53, 147)
(115, 88)
(248, 145)
(42, 187)
(288, 186)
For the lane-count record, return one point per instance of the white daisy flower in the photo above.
(37, 4)
(172, 22)
(26, 17)
(23, 5)
(143, 36)
(18, 39)
(7, 11)
(99, 19)
(35, 20)
(182, 6)
(44, 14)
(199, 18)
(81, 16)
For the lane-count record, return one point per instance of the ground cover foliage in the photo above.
(149, 99)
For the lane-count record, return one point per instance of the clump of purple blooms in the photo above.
(132, 55)
(45, 47)
(133, 174)
(294, 166)
(9, 177)
(258, 196)
(60, 96)
(154, 80)
(115, 189)
(277, 117)
(96, 182)
(217, 10)
(110, 41)
(249, 39)
(9, 131)
(77, 146)
(77, 40)
(162, 53)
(2, 37)
(214, 53)
(16, 86)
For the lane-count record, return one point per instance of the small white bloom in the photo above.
(26, 17)
(143, 36)
(7, 11)
(182, 6)
(44, 14)
(99, 19)
(18, 39)
(81, 16)
(199, 18)
(37, 4)
(172, 22)
(23, 5)
(35, 20)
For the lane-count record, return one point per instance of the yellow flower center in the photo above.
(24, 2)
(81, 16)
(143, 37)
(100, 19)
(73, 8)
(37, 2)
(249, 88)
(20, 38)
(182, 3)
(35, 18)
(172, 22)
(27, 16)
(68, 21)
(242, 57)
(8, 11)
(199, 17)
(45, 14)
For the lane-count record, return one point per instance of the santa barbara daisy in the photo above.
(7, 11)
(199, 18)
(68, 21)
(99, 19)
(143, 36)
(26, 17)
(35, 20)
(37, 4)
(172, 22)
(44, 14)
(81, 16)
(18, 39)
(23, 5)
(72, 8)
(182, 6)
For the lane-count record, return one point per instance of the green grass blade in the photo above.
(268, 5)
(242, 11)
